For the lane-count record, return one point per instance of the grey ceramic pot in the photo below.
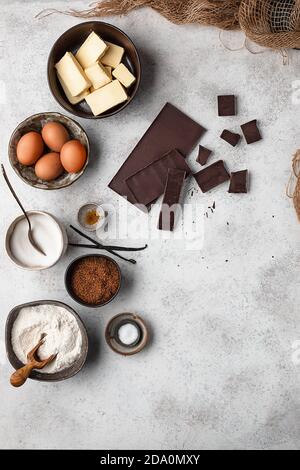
(35, 374)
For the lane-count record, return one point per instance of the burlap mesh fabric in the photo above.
(293, 186)
(270, 23)
(296, 198)
(223, 14)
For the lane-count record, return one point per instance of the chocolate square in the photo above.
(211, 176)
(175, 180)
(230, 137)
(238, 182)
(203, 155)
(226, 105)
(251, 132)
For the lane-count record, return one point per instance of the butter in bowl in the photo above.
(94, 70)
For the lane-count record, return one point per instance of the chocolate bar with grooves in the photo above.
(148, 184)
(171, 198)
(171, 129)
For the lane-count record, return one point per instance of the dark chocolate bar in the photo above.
(226, 105)
(171, 129)
(211, 176)
(148, 184)
(238, 182)
(203, 155)
(171, 198)
(251, 132)
(230, 137)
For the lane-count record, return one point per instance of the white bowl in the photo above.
(62, 248)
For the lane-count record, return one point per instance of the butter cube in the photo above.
(109, 70)
(92, 89)
(113, 55)
(106, 97)
(72, 99)
(72, 74)
(124, 75)
(98, 75)
(91, 50)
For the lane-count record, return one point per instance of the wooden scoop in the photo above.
(21, 375)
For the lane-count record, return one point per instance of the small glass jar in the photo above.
(91, 216)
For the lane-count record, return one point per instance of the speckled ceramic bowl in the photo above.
(68, 277)
(112, 329)
(35, 374)
(35, 123)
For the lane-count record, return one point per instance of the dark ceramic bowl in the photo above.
(70, 41)
(68, 275)
(35, 123)
(112, 329)
(35, 374)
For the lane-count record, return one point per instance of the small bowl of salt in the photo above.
(126, 334)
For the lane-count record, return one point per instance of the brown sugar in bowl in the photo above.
(93, 280)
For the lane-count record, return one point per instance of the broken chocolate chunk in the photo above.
(226, 105)
(238, 182)
(211, 176)
(251, 132)
(230, 137)
(203, 155)
(171, 198)
(148, 184)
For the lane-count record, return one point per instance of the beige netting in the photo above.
(293, 188)
(270, 23)
(223, 14)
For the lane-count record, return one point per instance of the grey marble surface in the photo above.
(219, 371)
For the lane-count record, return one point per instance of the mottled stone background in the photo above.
(219, 371)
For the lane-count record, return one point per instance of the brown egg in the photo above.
(49, 167)
(30, 148)
(73, 156)
(55, 135)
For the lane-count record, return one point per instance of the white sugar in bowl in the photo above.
(50, 235)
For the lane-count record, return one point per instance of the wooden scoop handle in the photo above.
(20, 376)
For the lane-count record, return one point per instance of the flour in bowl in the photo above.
(63, 338)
